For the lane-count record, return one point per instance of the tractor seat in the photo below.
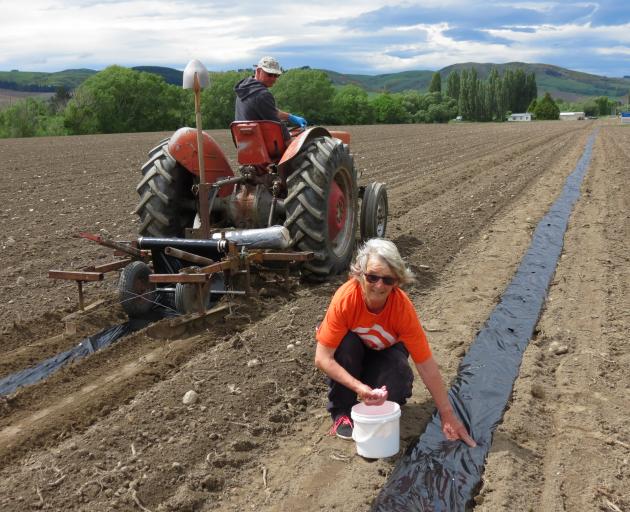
(258, 142)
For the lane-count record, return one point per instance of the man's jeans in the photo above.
(376, 368)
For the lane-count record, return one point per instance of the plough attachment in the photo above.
(184, 274)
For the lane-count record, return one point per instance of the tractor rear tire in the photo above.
(374, 212)
(325, 163)
(167, 206)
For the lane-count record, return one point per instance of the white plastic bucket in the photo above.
(376, 429)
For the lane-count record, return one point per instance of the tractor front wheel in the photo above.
(374, 211)
(321, 207)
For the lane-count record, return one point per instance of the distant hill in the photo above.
(170, 75)
(559, 82)
(34, 81)
(392, 82)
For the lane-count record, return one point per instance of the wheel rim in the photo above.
(341, 212)
(337, 210)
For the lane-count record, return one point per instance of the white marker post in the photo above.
(196, 77)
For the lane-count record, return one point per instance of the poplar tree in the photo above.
(520, 94)
(465, 104)
(436, 83)
(452, 85)
(492, 110)
(531, 87)
(475, 96)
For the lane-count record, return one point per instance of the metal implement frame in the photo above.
(236, 262)
(89, 274)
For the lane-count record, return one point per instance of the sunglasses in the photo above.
(373, 278)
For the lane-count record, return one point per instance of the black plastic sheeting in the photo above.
(163, 308)
(440, 475)
(87, 346)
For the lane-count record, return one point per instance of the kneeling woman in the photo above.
(369, 331)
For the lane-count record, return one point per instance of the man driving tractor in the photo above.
(254, 101)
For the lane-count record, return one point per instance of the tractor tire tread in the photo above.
(166, 205)
(323, 160)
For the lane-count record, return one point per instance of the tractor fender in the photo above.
(342, 136)
(183, 148)
(296, 144)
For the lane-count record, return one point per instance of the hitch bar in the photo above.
(128, 249)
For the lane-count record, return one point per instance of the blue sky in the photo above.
(366, 37)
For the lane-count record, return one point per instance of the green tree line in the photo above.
(494, 98)
(121, 100)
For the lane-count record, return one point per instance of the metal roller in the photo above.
(274, 237)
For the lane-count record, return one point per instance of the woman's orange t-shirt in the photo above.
(397, 322)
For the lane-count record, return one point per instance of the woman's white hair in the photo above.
(388, 253)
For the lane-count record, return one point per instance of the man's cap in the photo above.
(270, 65)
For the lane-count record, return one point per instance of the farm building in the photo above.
(625, 118)
(520, 117)
(572, 116)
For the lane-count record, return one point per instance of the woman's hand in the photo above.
(454, 429)
(376, 396)
(325, 361)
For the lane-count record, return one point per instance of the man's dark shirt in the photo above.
(254, 102)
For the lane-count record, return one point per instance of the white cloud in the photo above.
(615, 50)
(50, 35)
(545, 35)
(543, 7)
(137, 32)
(437, 50)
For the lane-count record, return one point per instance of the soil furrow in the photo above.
(112, 429)
(574, 456)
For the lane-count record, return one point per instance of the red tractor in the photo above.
(307, 184)
(298, 196)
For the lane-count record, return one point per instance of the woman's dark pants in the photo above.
(376, 368)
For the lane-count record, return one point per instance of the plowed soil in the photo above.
(110, 432)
